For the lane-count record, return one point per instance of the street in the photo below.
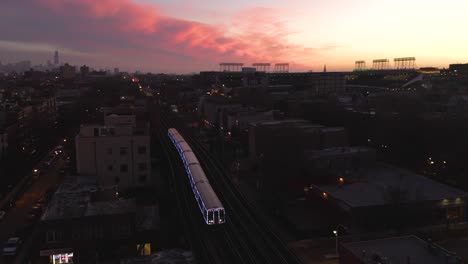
(17, 217)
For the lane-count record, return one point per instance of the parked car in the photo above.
(37, 208)
(11, 246)
(58, 150)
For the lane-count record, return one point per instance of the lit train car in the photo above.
(183, 147)
(210, 206)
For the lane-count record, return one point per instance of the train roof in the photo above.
(174, 132)
(177, 137)
(197, 173)
(191, 158)
(209, 197)
(184, 146)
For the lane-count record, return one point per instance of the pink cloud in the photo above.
(133, 30)
(139, 17)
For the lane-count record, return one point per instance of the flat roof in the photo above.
(74, 198)
(400, 250)
(332, 129)
(370, 186)
(279, 122)
(313, 154)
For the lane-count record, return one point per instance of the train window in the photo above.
(221, 215)
(210, 217)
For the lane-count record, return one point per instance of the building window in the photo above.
(141, 150)
(109, 151)
(142, 178)
(123, 168)
(123, 151)
(142, 166)
(53, 236)
(50, 236)
(144, 249)
(110, 168)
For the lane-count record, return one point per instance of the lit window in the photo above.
(144, 249)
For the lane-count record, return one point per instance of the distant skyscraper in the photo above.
(84, 71)
(56, 58)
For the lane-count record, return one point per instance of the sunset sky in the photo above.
(188, 36)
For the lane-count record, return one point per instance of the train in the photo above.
(208, 202)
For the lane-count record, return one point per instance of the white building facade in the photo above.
(118, 153)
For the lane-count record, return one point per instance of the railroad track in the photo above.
(246, 233)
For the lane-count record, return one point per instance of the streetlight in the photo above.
(335, 232)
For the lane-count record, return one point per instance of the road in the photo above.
(17, 216)
(246, 237)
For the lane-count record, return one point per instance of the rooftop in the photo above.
(400, 250)
(332, 129)
(338, 151)
(294, 122)
(371, 186)
(172, 256)
(77, 197)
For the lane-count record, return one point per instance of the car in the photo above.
(37, 208)
(2, 215)
(58, 150)
(11, 246)
(36, 172)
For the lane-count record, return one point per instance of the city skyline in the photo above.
(183, 36)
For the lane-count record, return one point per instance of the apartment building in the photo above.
(117, 153)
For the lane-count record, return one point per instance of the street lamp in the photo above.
(335, 232)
